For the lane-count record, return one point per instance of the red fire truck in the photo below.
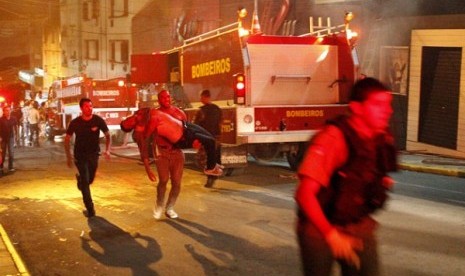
(274, 91)
(112, 100)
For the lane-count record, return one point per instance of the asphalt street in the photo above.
(243, 226)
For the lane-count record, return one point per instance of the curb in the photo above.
(14, 254)
(433, 170)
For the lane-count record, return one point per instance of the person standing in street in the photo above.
(8, 126)
(210, 117)
(24, 132)
(34, 120)
(16, 112)
(342, 181)
(169, 161)
(86, 129)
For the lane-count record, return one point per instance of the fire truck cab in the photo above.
(112, 100)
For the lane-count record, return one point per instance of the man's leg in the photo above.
(195, 132)
(84, 174)
(162, 163)
(11, 154)
(369, 263)
(3, 145)
(316, 256)
(176, 170)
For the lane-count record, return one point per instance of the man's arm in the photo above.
(143, 145)
(69, 157)
(143, 142)
(107, 144)
(342, 246)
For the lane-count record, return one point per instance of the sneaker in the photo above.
(157, 212)
(217, 171)
(12, 170)
(171, 213)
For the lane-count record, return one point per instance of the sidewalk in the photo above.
(427, 163)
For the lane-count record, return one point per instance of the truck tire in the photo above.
(49, 132)
(228, 171)
(265, 152)
(294, 157)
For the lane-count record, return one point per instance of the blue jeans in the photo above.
(87, 167)
(317, 258)
(170, 164)
(195, 132)
(7, 146)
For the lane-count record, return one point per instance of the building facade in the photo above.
(97, 39)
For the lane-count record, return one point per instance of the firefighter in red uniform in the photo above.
(343, 179)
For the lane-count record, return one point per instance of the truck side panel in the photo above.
(292, 74)
(210, 64)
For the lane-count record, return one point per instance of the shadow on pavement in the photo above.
(120, 248)
(228, 251)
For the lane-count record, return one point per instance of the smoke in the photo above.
(394, 8)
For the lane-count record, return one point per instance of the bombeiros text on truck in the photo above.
(274, 91)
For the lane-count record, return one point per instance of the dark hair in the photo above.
(205, 93)
(364, 87)
(163, 91)
(124, 128)
(84, 100)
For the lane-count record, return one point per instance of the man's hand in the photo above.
(388, 182)
(149, 172)
(107, 155)
(196, 144)
(344, 247)
(69, 161)
(151, 175)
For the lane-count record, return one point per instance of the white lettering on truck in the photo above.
(106, 93)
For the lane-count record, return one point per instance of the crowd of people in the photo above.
(20, 126)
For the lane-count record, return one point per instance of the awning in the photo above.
(32, 77)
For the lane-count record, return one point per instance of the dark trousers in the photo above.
(317, 258)
(34, 134)
(7, 147)
(87, 167)
(195, 132)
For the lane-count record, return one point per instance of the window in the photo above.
(119, 51)
(85, 11)
(90, 10)
(91, 49)
(329, 1)
(64, 59)
(119, 8)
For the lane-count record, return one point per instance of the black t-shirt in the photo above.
(209, 117)
(7, 127)
(87, 134)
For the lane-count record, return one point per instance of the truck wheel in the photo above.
(49, 132)
(228, 171)
(294, 157)
(265, 152)
(201, 158)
